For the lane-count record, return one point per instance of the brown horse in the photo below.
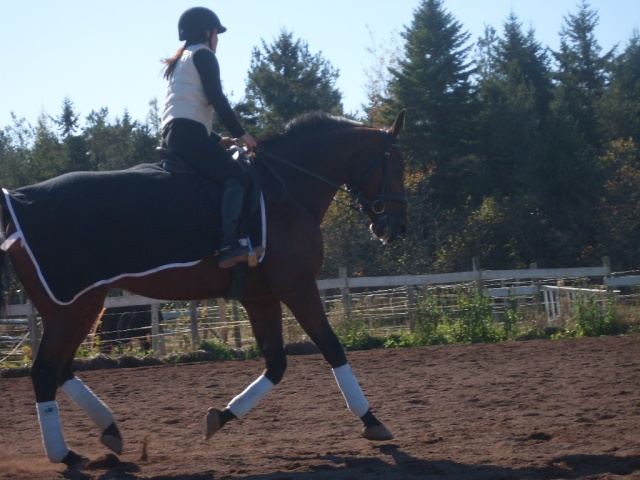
(306, 164)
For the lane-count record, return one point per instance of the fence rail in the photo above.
(384, 298)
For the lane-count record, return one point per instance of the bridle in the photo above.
(377, 205)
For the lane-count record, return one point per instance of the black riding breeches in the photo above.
(190, 141)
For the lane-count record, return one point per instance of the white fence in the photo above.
(391, 297)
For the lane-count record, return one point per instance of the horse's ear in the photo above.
(398, 125)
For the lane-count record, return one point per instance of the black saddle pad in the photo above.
(84, 229)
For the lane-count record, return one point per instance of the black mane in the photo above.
(312, 122)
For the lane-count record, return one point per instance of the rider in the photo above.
(193, 94)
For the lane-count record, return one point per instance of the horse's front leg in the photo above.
(266, 323)
(306, 306)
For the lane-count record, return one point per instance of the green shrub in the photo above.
(354, 335)
(431, 323)
(594, 318)
(473, 321)
(216, 351)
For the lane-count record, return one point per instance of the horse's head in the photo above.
(381, 189)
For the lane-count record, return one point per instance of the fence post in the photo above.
(323, 299)
(476, 268)
(411, 299)
(34, 331)
(237, 335)
(344, 290)
(475, 263)
(157, 342)
(193, 316)
(606, 262)
(222, 312)
(536, 284)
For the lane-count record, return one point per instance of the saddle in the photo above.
(252, 224)
(174, 164)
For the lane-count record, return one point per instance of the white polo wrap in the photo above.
(248, 399)
(52, 438)
(351, 390)
(89, 402)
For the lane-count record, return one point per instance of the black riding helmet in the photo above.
(195, 22)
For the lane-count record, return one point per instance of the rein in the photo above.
(377, 205)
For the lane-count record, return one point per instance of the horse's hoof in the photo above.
(377, 432)
(111, 439)
(212, 422)
(73, 461)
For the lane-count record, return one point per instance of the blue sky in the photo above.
(106, 54)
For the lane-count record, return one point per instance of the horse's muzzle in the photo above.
(389, 227)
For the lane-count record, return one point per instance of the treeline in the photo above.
(515, 153)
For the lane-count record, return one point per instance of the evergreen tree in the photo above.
(15, 153)
(433, 82)
(619, 209)
(432, 79)
(48, 156)
(619, 108)
(98, 139)
(154, 120)
(75, 151)
(68, 120)
(118, 145)
(285, 79)
(582, 72)
(515, 89)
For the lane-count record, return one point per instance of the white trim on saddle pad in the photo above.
(18, 235)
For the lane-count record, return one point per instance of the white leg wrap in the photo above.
(351, 390)
(248, 399)
(49, 418)
(89, 402)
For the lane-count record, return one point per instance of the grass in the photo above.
(467, 316)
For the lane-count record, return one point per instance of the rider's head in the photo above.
(197, 24)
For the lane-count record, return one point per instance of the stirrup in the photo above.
(232, 254)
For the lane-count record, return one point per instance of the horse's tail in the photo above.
(3, 303)
(3, 253)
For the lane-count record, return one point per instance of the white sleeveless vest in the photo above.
(185, 95)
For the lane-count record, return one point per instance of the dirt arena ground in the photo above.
(527, 410)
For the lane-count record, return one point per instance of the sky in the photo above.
(107, 53)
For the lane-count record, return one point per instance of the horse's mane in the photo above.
(312, 122)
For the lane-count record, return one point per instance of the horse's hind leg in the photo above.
(47, 373)
(266, 322)
(96, 409)
(306, 306)
(63, 332)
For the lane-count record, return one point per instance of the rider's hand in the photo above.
(228, 142)
(249, 141)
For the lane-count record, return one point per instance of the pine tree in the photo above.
(285, 79)
(582, 72)
(515, 89)
(75, 151)
(433, 82)
(619, 108)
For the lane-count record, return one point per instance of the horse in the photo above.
(314, 157)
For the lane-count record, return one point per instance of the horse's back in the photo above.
(101, 225)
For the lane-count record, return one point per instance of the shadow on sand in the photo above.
(399, 466)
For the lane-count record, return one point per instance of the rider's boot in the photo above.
(232, 201)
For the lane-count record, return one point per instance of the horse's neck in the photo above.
(331, 163)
